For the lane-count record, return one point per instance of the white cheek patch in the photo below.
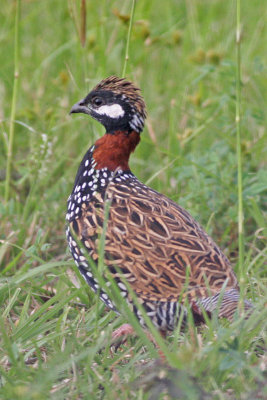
(113, 111)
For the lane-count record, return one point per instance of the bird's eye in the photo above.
(97, 101)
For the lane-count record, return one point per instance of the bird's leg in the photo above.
(119, 336)
(127, 329)
(123, 330)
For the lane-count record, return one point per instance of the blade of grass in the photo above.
(83, 23)
(7, 342)
(41, 319)
(6, 284)
(14, 102)
(11, 302)
(126, 59)
(238, 147)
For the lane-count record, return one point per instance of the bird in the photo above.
(171, 265)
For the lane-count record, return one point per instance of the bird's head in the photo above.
(116, 103)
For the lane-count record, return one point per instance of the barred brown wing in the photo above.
(152, 242)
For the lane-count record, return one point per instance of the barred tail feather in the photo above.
(228, 304)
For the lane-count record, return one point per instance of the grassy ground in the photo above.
(55, 335)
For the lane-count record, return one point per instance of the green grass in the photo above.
(55, 334)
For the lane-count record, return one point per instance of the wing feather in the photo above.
(153, 241)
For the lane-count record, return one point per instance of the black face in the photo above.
(113, 111)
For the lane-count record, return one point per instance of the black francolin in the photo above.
(150, 241)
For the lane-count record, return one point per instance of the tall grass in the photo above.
(204, 146)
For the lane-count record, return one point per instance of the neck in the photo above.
(112, 151)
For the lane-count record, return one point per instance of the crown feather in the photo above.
(121, 86)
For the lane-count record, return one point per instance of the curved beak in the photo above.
(80, 107)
